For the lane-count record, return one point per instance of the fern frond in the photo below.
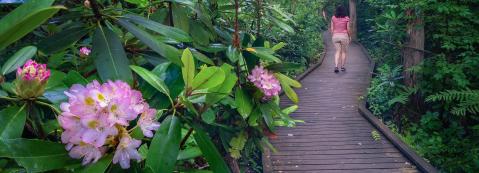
(468, 100)
(451, 95)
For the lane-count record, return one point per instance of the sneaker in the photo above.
(343, 69)
(336, 70)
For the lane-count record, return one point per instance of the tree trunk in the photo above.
(352, 19)
(412, 55)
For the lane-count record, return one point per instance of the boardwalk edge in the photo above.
(417, 160)
(266, 156)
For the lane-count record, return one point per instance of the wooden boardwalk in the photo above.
(335, 137)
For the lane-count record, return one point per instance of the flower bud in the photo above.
(84, 52)
(31, 79)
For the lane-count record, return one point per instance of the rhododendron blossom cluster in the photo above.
(32, 79)
(265, 81)
(96, 118)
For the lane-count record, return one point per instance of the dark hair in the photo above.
(340, 12)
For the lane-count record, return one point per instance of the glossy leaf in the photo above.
(278, 46)
(12, 121)
(201, 57)
(165, 30)
(24, 19)
(18, 59)
(284, 67)
(62, 40)
(212, 155)
(189, 153)
(188, 69)
(98, 167)
(264, 53)
(219, 92)
(164, 147)
(110, 58)
(289, 92)
(208, 78)
(36, 155)
(152, 79)
(73, 77)
(287, 80)
(167, 51)
(180, 17)
(243, 103)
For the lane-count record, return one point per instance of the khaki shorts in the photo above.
(341, 40)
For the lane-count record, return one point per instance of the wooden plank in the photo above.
(346, 166)
(334, 136)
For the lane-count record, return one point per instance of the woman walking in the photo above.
(341, 37)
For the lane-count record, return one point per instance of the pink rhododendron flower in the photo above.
(97, 116)
(265, 81)
(84, 51)
(147, 122)
(31, 70)
(31, 79)
(126, 151)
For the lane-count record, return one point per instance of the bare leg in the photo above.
(337, 56)
(344, 52)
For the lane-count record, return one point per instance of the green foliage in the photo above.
(375, 135)
(178, 54)
(447, 78)
(451, 148)
(468, 101)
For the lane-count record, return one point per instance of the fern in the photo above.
(403, 96)
(468, 100)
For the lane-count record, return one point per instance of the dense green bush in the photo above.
(447, 77)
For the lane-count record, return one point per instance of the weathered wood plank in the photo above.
(334, 137)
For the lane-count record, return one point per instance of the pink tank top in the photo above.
(340, 24)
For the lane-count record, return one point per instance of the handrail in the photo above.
(418, 161)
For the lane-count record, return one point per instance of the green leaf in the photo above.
(188, 69)
(289, 92)
(110, 58)
(287, 80)
(25, 19)
(62, 40)
(140, 3)
(219, 92)
(18, 59)
(56, 95)
(284, 67)
(165, 30)
(267, 115)
(243, 102)
(203, 58)
(73, 77)
(212, 155)
(12, 121)
(152, 79)
(165, 146)
(237, 144)
(264, 53)
(36, 155)
(189, 153)
(208, 116)
(56, 79)
(180, 17)
(98, 167)
(282, 25)
(208, 78)
(167, 51)
(278, 46)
